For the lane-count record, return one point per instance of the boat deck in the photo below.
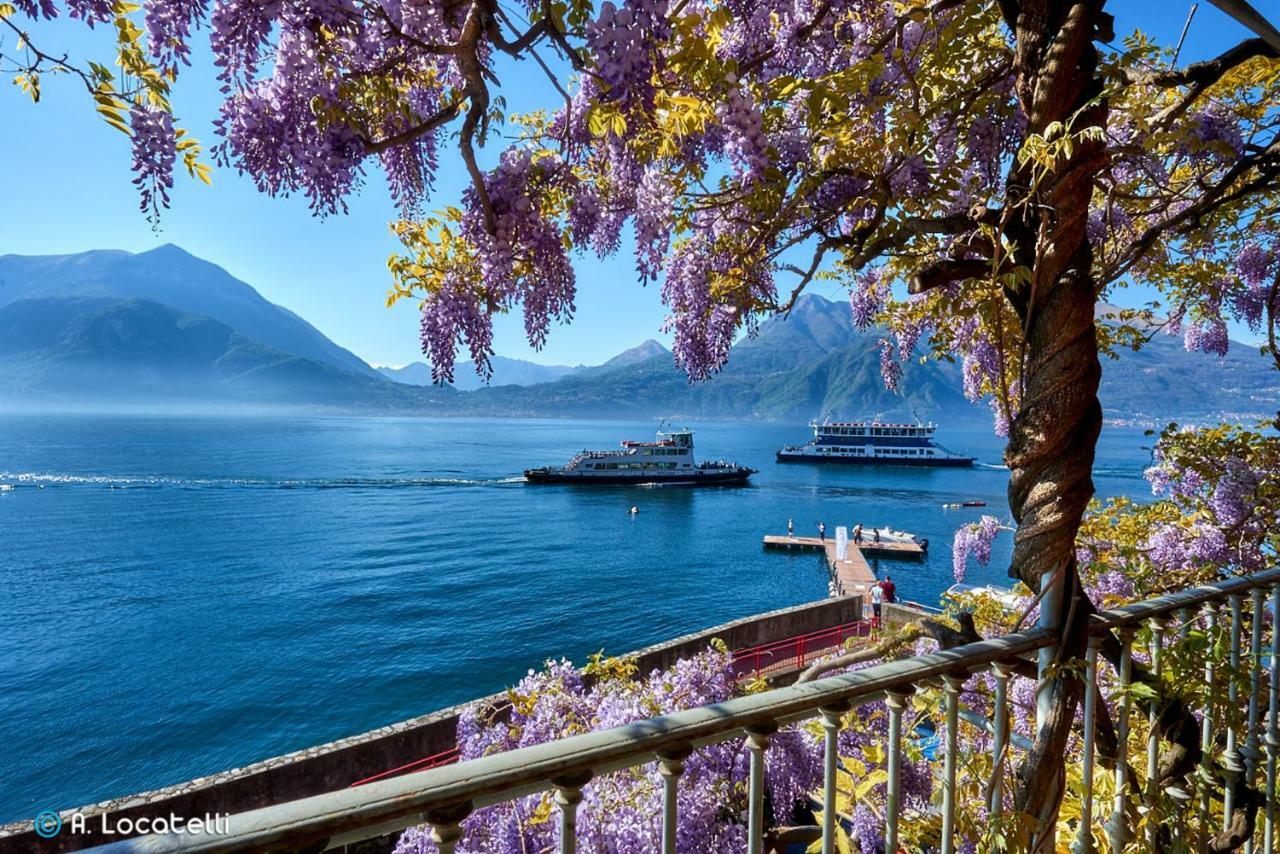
(852, 574)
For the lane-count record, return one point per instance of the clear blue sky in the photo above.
(66, 189)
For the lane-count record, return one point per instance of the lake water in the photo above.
(179, 596)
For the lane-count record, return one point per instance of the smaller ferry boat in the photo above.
(873, 442)
(667, 459)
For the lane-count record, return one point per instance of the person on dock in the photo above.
(877, 598)
(791, 528)
(857, 533)
(822, 530)
(889, 590)
(875, 536)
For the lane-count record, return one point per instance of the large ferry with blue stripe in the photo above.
(873, 443)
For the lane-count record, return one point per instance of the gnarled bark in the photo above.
(1055, 431)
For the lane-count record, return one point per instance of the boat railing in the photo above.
(442, 797)
(597, 455)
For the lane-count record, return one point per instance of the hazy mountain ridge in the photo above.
(171, 276)
(813, 362)
(809, 364)
(508, 372)
(505, 372)
(100, 350)
(84, 328)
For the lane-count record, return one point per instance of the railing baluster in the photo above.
(568, 794)
(670, 766)
(758, 742)
(1231, 756)
(1207, 777)
(1153, 733)
(446, 826)
(896, 702)
(1252, 746)
(1273, 724)
(1084, 835)
(832, 720)
(1180, 797)
(1184, 622)
(1000, 721)
(951, 687)
(1118, 828)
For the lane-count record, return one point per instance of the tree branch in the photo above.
(444, 116)
(42, 57)
(1201, 75)
(478, 95)
(944, 271)
(1213, 198)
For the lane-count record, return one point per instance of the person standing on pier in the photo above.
(857, 533)
(889, 590)
(877, 598)
(822, 530)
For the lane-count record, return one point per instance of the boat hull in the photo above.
(920, 462)
(735, 477)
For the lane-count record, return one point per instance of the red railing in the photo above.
(770, 657)
(797, 651)
(444, 757)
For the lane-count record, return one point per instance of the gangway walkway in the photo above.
(851, 575)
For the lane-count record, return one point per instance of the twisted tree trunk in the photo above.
(1055, 430)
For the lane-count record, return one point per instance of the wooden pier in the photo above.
(852, 574)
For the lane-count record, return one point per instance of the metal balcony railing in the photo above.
(443, 796)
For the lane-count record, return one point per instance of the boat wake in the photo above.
(33, 480)
(991, 467)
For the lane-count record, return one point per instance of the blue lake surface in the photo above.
(179, 596)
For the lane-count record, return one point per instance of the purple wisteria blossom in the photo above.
(866, 298)
(622, 811)
(973, 540)
(1207, 336)
(890, 367)
(154, 152)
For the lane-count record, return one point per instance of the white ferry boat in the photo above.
(667, 459)
(874, 443)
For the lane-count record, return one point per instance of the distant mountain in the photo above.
(173, 277)
(519, 372)
(505, 372)
(1162, 381)
(104, 351)
(802, 366)
(641, 353)
(163, 327)
(813, 362)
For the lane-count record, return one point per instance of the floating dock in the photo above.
(851, 574)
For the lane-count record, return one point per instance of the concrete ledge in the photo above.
(337, 764)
